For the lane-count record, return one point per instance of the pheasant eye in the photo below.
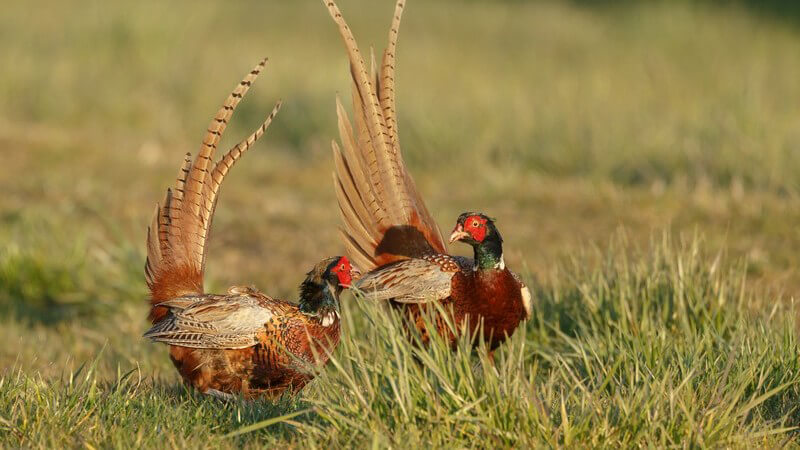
(475, 223)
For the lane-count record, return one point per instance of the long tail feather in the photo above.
(178, 233)
(221, 169)
(385, 218)
(386, 93)
(387, 174)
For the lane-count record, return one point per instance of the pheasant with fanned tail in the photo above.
(244, 342)
(388, 230)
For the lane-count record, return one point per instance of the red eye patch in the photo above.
(342, 271)
(476, 227)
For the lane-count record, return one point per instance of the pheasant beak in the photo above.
(355, 273)
(458, 234)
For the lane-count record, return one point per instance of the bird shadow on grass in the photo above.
(238, 419)
(170, 408)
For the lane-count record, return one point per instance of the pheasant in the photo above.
(244, 342)
(388, 230)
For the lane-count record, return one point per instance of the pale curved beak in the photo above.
(355, 274)
(458, 234)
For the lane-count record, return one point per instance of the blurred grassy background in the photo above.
(563, 121)
(571, 122)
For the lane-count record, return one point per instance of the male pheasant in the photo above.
(388, 230)
(244, 342)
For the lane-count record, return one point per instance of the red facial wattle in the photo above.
(343, 272)
(476, 227)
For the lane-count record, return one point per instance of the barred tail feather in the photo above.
(385, 218)
(177, 235)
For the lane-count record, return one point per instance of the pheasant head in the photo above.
(479, 231)
(325, 282)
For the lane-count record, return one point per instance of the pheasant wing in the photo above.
(176, 238)
(385, 219)
(409, 281)
(216, 321)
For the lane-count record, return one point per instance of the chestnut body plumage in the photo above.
(388, 230)
(250, 344)
(244, 342)
(494, 297)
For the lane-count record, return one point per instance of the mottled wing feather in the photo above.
(217, 321)
(409, 281)
(180, 303)
(375, 192)
(176, 238)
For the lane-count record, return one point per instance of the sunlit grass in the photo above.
(656, 349)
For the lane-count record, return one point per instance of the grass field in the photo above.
(641, 161)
